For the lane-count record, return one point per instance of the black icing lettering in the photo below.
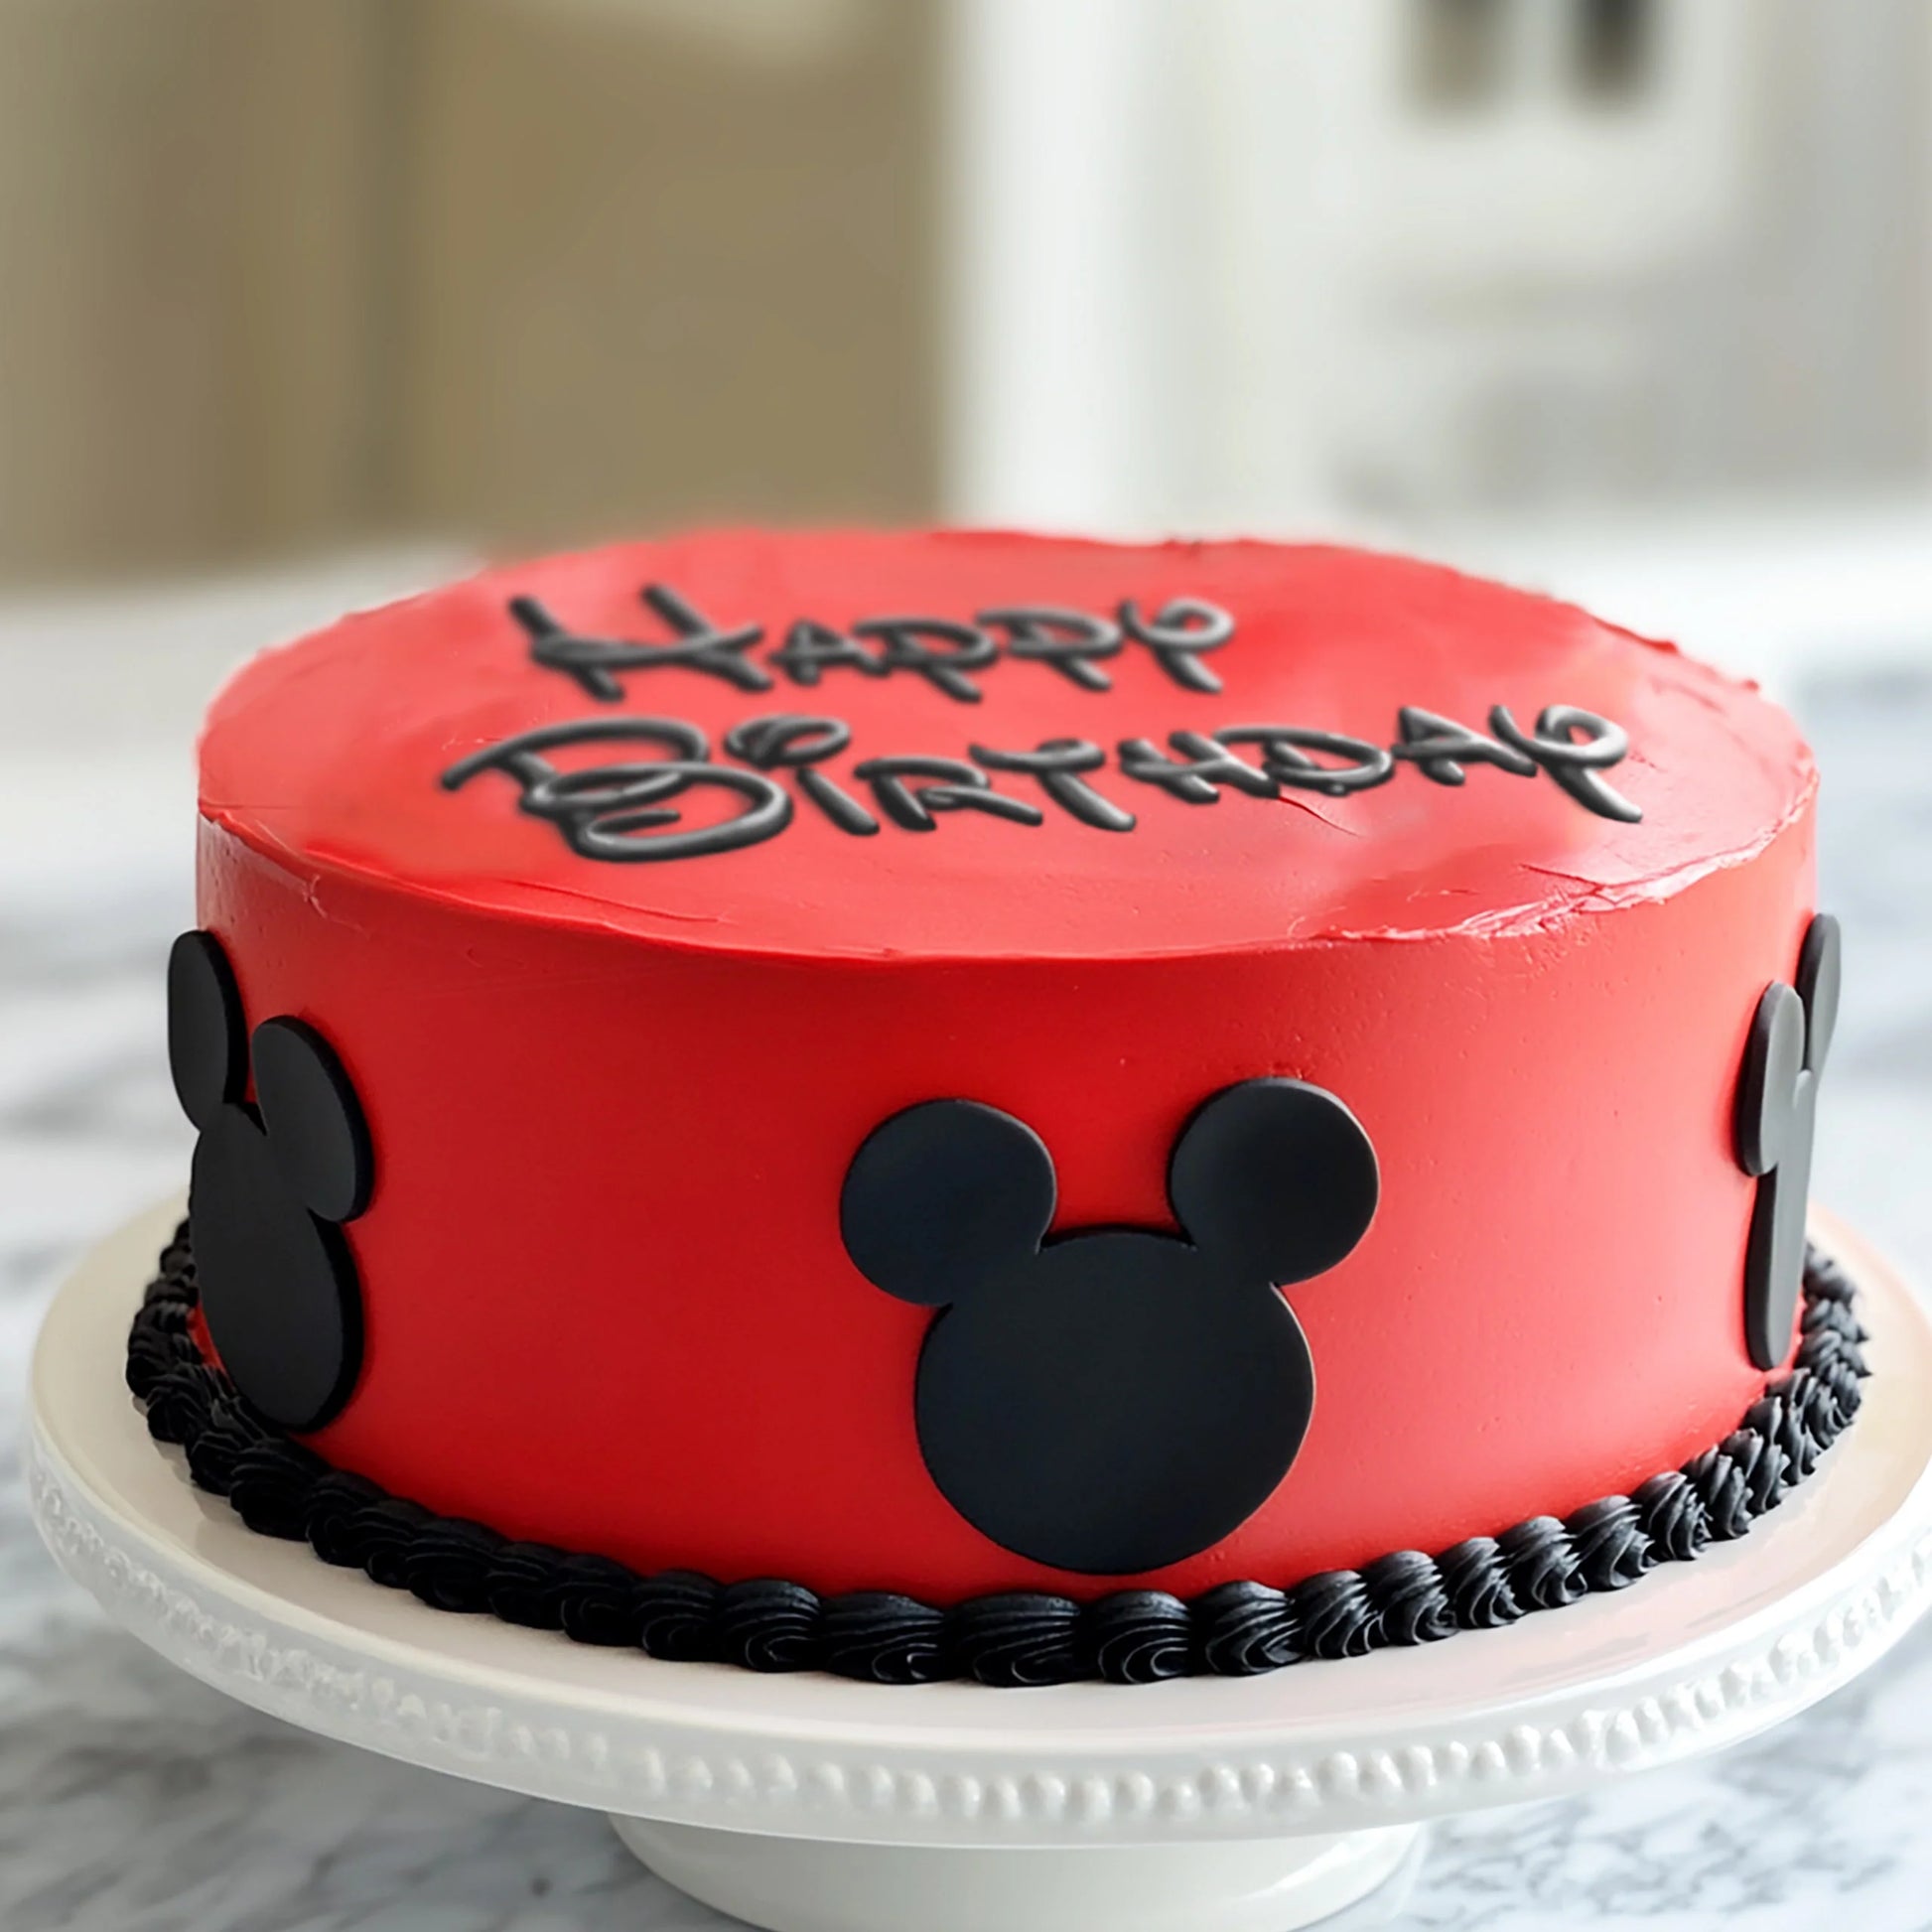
(595, 662)
(1177, 633)
(1198, 776)
(791, 743)
(601, 810)
(1439, 747)
(787, 739)
(587, 659)
(939, 650)
(1284, 756)
(1069, 641)
(604, 833)
(954, 785)
(625, 810)
(1058, 764)
(811, 648)
(1574, 762)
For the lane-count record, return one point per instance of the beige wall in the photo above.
(183, 325)
(661, 274)
(273, 274)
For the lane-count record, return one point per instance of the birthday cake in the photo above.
(970, 1105)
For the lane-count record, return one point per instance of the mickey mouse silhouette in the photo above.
(1116, 1399)
(1777, 1114)
(271, 1185)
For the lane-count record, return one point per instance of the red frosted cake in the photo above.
(936, 1105)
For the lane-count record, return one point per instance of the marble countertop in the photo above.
(135, 1800)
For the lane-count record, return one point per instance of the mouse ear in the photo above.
(1768, 1085)
(942, 1196)
(207, 1036)
(1276, 1176)
(1818, 974)
(317, 1134)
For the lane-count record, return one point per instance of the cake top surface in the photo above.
(982, 746)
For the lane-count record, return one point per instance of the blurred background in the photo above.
(281, 279)
(305, 304)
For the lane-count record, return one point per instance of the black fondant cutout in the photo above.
(1777, 1115)
(944, 1196)
(1197, 778)
(315, 1131)
(279, 1290)
(1115, 1398)
(269, 1186)
(207, 1039)
(1058, 764)
(1253, 1143)
(911, 789)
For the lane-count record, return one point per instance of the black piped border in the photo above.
(1017, 1637)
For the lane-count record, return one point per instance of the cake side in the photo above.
(604, 1240)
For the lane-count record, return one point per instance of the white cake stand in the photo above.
(809, 1804)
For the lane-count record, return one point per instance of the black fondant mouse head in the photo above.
(1777, 1116)
(272, 1182)
(1116, 1399)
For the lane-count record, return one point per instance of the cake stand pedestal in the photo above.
(809, 1804)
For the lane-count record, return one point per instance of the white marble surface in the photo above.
(131, 1797)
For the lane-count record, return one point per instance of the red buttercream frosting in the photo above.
(612, 1104)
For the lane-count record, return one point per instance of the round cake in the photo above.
(825, 1079)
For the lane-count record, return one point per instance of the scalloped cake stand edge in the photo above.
(811, 1805)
